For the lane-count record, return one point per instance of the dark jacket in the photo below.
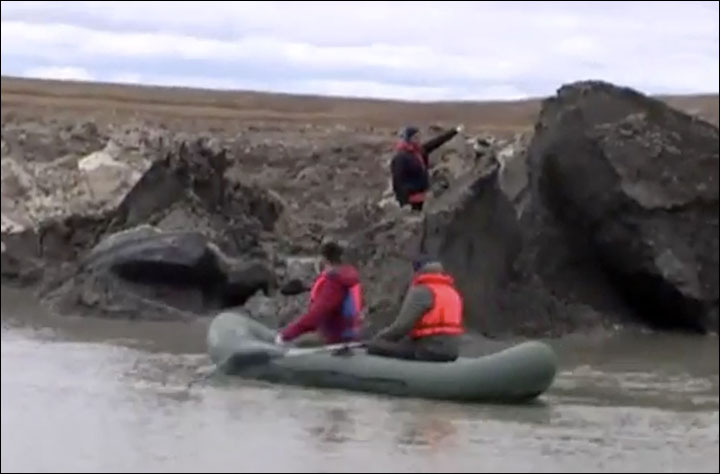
(410, 174)
(418, 301)
(325, 311)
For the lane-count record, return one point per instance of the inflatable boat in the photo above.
(241, 346)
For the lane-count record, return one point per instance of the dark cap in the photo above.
(332, 251)
(420, 261)
(409, 131)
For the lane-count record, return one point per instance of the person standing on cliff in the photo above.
(410, 166)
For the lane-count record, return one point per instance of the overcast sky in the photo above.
(405, 50)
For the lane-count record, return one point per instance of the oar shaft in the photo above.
(294, 352)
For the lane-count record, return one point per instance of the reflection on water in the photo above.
(71, 401)
(427, 430)
(335, 426)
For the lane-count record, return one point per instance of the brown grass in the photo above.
(114, 101)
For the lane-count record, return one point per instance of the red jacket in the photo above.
(324, 313)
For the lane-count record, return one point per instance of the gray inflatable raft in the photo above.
(244, 347)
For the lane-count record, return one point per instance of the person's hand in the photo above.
(279, 340)
(460, 128)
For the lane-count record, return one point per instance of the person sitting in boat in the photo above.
(335, 309)
(411, 163)
(430, 322)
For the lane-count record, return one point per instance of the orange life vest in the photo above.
(445, 317)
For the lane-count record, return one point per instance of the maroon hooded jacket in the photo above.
(325, 313)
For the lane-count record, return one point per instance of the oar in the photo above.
(264, 357)
(295, 352)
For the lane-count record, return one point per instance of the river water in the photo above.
(86, 395)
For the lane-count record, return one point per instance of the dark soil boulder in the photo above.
(637, 181)
(149, 274)
(611, 216)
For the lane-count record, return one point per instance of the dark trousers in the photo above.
(408, 349)
(417, 206)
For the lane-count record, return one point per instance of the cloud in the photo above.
(497, 92)
(126, 78)
(349, 88)
(439, 50)
(59, 72)
(65, 43)
(340, 88)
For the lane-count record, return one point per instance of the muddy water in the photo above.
(87, 396)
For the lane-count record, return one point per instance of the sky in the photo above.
(403, 50)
